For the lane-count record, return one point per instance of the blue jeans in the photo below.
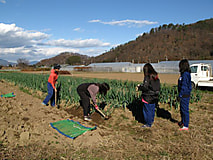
(51, 95)
(149, 113)
(184, 111)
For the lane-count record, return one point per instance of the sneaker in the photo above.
(87, 118)
(44, 104)
(184, 128)
(146, 126)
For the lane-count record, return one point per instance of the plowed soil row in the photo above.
(25, 131)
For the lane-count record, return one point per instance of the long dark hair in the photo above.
(184, 66)
(103, 88)
(148, 70)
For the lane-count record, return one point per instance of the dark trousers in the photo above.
(51, 95)
(85, 100)
(184, 111)
(149, 113)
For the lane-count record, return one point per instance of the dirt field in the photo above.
(25, 132)
(164, 78)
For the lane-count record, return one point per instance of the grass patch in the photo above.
(124, 117)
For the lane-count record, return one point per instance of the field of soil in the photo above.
(164, 78)
(25, 131)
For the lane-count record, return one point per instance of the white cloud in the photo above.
(13, 36)
(95, 21)
(56, 50)
(21, 50)
(78, 43)
(127, 22)
(15, 42)
(2, 1)
(33, 53)
(77, 29)
(93, 51)
(39, 53)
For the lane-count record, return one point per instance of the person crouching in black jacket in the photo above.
(150, 92)
(90, 90)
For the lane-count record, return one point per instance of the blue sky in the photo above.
(40, 29)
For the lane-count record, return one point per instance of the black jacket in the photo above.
(150, 89)
(84, 88)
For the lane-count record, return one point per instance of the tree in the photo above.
(73, 60)
(159, 28)
(152, 31)
(171, 25)
(22, 62)
(164, 26)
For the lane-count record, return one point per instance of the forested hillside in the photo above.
(64, 58)
(167, 42)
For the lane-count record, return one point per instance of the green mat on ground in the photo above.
(8, 95)
(70, 128)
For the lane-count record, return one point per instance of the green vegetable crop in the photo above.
(121, 94)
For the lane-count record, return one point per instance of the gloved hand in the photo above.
(137, 88)
(96, 107)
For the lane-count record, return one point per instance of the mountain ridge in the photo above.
(62, 59)
(5, 62)
(167, 42)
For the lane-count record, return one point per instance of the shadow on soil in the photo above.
(165, 114)
(137, 111)
(58, 98)
(205, 88)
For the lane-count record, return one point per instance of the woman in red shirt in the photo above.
(51, 86)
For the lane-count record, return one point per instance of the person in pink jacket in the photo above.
(90, 90)
(51, 86)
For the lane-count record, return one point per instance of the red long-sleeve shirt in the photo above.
(53, 78)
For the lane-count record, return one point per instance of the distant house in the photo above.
(116, 67)
(75, 68)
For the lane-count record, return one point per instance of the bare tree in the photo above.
(22, 62)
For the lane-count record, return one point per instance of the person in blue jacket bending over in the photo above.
(184, 89)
